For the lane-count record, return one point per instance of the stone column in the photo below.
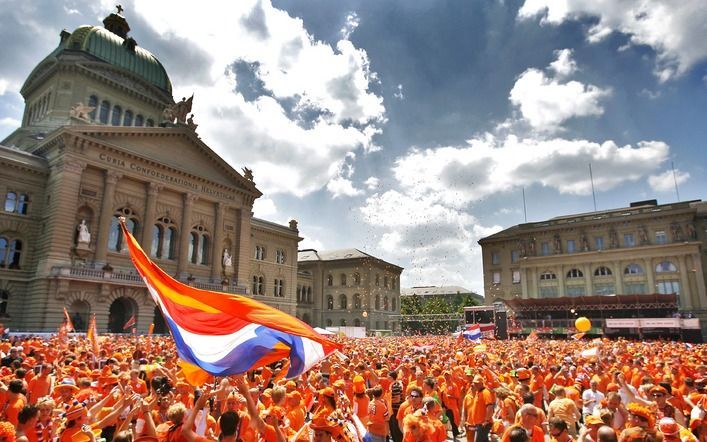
(104, 221)
(524, 284)
(56, 240)
(561, 281)
(685, 295)
(588, 275)
(153, 190)
(650, 275)
(242, 259)
(699, 297)
(618, 278)
(217, 249)
(185, 233)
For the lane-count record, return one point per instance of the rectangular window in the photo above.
(604, 289)
(668, 287)
(545, 248)
(495, 258)
(515, 254)
(634, 288)
(516, 276)
(548, 292)
(571, 248)
(496, 277)
(599, 242)
(660, 237)
(575, 290)
(629, 240)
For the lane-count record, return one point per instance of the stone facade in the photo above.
(642, 249)
(72, 164)
(348, 288)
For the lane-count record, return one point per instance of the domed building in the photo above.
(102, 137)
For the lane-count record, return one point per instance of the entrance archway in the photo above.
(160, 324)
(119, 313)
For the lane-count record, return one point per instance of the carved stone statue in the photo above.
(676, 232)
(190, 122)
(81, 111)
(247, 174)
(558, 245)
(521, 247)
(613, 239)
(178, 111)
(585, 242)
(293, 224)
(531, 246)
(227, 259)
(691, 232)
(84, 235)
(168, 115)
(643, 235)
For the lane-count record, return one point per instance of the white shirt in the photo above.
(594, 397)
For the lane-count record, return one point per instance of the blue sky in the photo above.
(410, 129)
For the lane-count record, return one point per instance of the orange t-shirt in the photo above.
(475, 406)
(378, 417)
(12, 409)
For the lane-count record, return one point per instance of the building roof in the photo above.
(115, 50)
(311, 255)
(618, 215)
(258, 222)
(433, 290)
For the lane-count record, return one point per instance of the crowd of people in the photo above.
(412, 389)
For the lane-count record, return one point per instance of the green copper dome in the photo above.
(121, 52)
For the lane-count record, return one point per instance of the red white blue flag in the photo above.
(226, 334)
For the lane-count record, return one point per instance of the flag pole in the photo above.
(594, 195)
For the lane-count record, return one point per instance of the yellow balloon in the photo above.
(582, 324)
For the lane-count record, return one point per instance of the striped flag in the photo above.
(131, 323)
(472, 332)
(226, 334)
(69, 325)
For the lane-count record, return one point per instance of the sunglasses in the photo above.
(414, 395)
(657, 395)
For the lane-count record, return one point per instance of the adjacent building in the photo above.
(348, 287)
(102, 137)
(646, 248)
(451, 294)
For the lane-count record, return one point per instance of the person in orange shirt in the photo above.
(138, 385)
(412, 404)
(478, 411)
(13, 403)
(27, 421)
(378, 415)
(451, 398)
(40, 385)
(295, 410)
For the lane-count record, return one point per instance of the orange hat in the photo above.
(328, 391)
(66, 385)
(658, 389)
(523, 374)
(332, 424)
(612, 387)
(642, 411)
(295, 395)
(290, 385)
(339, 383)
(593, 420)
(108, 380)
(74, 410)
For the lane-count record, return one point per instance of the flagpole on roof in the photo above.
(594, 195)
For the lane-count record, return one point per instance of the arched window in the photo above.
(393, 283)
(10, 201)
(665, 267)
(280, 256)
(199, 245)
(394, 303)
(128, 118)
(330, 302)
(633, 269)
(385, 281)
(261, 285)
(342, 279)
(93, 102)
(385, 303)
(602, 271)
(164, 235)
(309, 294)
(357, 301)
(329, 322)
(116, 116)
(575, 273)
(343, 302)
(378, 280)
(547, 276)
(278, 288)
(343, 322)
(357, 279)
(14, 254)
(139, 120)
(259, 253)
(329, 280)
(4, 300)
(357, 322)
(116, 242)
(255, 285)
(104, 111)
(150, 123)
(378, 302)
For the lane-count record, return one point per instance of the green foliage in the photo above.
(416, 305)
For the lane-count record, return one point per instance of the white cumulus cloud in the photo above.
(372, 183)
(674, 29)
(264, 207)
(665, 181)
(547, 102)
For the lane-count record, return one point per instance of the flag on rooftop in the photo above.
(225, 334)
